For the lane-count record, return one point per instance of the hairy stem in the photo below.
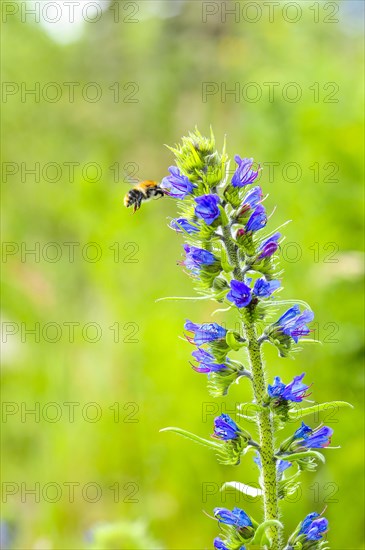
(265, 425)
(266, 432)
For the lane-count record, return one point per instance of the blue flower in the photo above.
(269, 246)
(206, 362)
(244, 173)
(307, 521)
(313, 439)
(295, 391)
(264, 288)
(294, 324)
(314, 527)
(257, 220)
(198, 257)
(240, 294)
(203, 356)
(251, 199)
(225, 428)
(207, 332)
(181, 224)
(219, 545)
(321, 437)
(303, 431)
(237, 517)
(288, 316)
(207, 208)
(177, 185)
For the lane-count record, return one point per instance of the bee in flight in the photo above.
(143, 191)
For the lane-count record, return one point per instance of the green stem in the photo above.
(232, 252)
(266, 432)
(265, 424)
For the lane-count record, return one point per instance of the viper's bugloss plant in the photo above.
(233, 259)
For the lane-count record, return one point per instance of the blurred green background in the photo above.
(137, 373)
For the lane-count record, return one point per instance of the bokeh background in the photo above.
(133, 486)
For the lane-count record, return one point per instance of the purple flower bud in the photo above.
(295, 391)
(181, 224)
(244, 174)
(207, 332)
(241, 236)
(257, 220)
(240, 294)
(264, 288)
(207, 208)
(177, 185)
(269, 246)
(237, 517)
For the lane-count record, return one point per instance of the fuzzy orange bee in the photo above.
(143, 191)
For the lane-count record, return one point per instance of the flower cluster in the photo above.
(280, 395)
(212, 358)
(288, 328)
(237, 526)
(235, 439)
(309, 534)
(233, 259)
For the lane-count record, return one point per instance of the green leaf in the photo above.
(262, 528)
(193, 437)
(296, 414)
(305, 454)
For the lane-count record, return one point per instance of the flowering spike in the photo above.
(233, 264)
